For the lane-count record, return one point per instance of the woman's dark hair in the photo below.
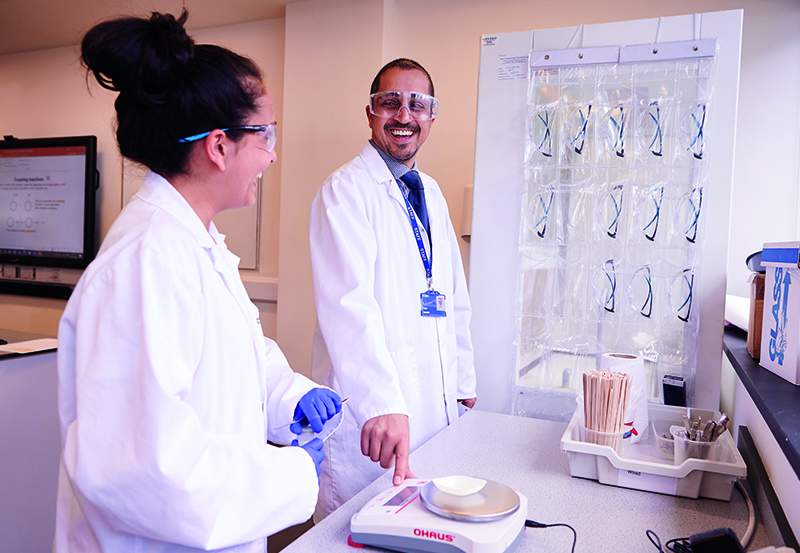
(169, 87)
(401, 63)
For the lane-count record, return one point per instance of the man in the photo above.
(392, 306)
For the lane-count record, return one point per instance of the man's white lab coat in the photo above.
(167, 389)
(371, 344)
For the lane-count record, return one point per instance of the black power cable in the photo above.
(534, 524)
(675, 545)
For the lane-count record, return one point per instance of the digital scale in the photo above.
(419, 517)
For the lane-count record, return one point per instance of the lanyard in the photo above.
(427, 263)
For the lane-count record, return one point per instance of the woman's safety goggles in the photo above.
(266, 135)
(389, 104)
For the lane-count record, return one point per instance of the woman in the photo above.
(168, 390)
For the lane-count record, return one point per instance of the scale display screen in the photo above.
(401, 497)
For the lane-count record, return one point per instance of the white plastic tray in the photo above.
(642, 468)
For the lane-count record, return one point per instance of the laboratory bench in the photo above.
(767, 413)
(13, 336)
(520, 452)
(777, 400)
(525, 454)
(30, 446)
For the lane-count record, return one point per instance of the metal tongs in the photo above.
(710, 432)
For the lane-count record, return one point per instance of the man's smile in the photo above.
(401, 132)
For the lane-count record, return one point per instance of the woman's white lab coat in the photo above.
(167, 389)
(371, 343)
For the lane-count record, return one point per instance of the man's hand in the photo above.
(468, 403)
(385, 439)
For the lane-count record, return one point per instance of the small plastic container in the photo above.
(665, 445)
(691, 449)
(305, 436)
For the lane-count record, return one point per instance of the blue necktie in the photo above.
(416, 197)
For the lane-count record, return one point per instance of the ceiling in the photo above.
(37, 24)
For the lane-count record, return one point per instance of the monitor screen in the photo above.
(47, 201)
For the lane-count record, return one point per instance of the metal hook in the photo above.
(579, 29)
(658, 33)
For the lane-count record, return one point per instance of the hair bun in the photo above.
(167, 56)
(178, 46)
(142, 59)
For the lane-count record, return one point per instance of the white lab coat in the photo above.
(371, 344)
(167, 389)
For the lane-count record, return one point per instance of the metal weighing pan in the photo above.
(494, 501)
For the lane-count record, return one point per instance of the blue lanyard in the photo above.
(427, 263)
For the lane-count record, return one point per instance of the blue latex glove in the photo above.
(313, 448)
(314, 409)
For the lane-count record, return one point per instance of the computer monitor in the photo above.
(47, 201)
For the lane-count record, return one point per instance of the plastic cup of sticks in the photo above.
(605, 401)
(614, 440)
(691, 449)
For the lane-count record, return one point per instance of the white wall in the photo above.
(765, 187)
(333, 49)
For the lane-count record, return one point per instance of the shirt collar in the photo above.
(395, 167)
(157, 190)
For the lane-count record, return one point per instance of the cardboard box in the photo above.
(780, 328)
(756, 315)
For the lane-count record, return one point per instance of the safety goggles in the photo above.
(266, 135)
(389, 104)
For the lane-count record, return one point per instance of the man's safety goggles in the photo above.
(389, 104)
(266, 135)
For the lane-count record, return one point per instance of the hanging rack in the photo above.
(655, 51)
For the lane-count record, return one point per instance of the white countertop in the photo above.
(30, 447)
(525, 454)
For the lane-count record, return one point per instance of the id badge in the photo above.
(432, 304)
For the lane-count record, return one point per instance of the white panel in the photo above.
(495, 215)
(499, 177)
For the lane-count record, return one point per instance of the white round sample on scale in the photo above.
(459, 485)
